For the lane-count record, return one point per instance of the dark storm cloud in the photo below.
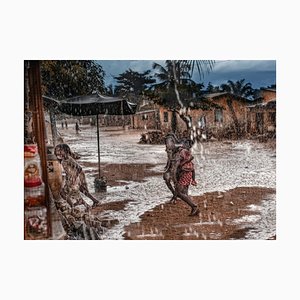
(258, 72)
(256, 78)
(113, 68)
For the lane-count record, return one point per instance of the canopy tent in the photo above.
(94, 104)
(89, 105)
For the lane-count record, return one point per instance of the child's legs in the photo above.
(182, 193)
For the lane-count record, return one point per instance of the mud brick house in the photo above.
(114, 120)
(146, 118)
(268, 94)
(261, 116)
(219, 113)
(216, 112)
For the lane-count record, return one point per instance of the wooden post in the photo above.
(36, 106)
(122, 112)
(98, 143)
(100, 182)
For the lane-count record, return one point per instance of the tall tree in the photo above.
(167, 76)
(238, 88)
(68, 78)
(132, 84)
(212, 88)
(109, 90)
(176, 76)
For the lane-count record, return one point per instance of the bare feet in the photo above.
(194, 182)
(96, 203)
(195, 211)
(173, 201)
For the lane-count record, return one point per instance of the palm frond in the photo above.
(203, 66)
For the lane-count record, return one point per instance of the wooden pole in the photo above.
(36, 106)
(98, 142)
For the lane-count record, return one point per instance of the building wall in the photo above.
(196, 114)
(114, 120)
(165, 125)
(261, 121)
(268, 95)
(146, 120)
(238, 106)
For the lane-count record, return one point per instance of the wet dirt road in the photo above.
(135, 184)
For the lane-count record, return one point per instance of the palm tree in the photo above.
(212, 88)
(203, 66)
(165, 86)
(238, 88)
(174, 83)
(166, 75)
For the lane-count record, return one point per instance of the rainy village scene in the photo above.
(149, 150)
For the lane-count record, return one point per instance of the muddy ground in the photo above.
(223, 216)
(236, 190)
(234, 214)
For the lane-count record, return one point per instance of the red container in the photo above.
(35, 223)
(30, 150)
(32, 173)
(34, 196)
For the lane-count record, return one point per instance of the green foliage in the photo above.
(212, 88)
(165, 88)
(203, 66)
(109, 90)
(165, 75)
(69, 78)
(238, 88)
(133, 83)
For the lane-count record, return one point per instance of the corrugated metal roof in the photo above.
(213, 95)
(269, 89)
(270, 104)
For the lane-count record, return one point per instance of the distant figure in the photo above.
(62, 125)
(66, 124)
(77, 127)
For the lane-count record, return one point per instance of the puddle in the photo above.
(134, 171)
(263, 223)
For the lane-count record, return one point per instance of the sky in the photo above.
(260, 73)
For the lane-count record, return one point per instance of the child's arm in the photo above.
(187, 160)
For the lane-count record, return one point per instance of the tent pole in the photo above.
(98, 141)
(100, 182)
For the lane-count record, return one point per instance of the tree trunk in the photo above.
(234, 117)
(185, 117)
(188, 122)
(176, 80)
(173, 121)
